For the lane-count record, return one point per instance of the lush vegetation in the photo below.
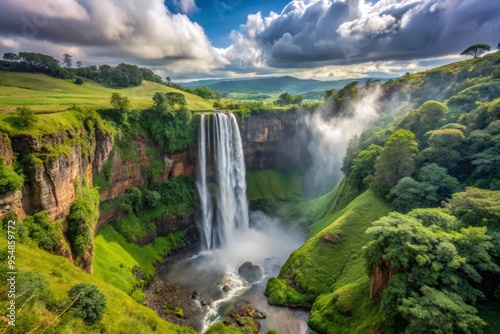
(39, 231)
(438, 266)
(435, 260)
(271, 184)
(82, 219)
(122, 75)
(48, 278)
(89, 303)
(9, 179)
(117, 261)
(444, 262)
(143, 207)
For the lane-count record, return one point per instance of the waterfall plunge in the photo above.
(201, 183)
(231, 201)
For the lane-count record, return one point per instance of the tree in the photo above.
(436, 273)
(176, 99)
(79, 64)
(79, 81)
(90, 302)
(205, 93)
(9, 56)
(162, 105)
(476, 50)
(363, 165)
(27, 116)
(67, 60)
(168, 81)
(498, 46)
(120, 102)
(433, 186)
(476, 207)
(396, 161)
(285, 99)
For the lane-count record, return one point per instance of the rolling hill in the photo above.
(273, 85)
(44, 94)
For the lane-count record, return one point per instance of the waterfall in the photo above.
(231, 201)
(205, 221)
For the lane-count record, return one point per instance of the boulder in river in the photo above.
(250, 272)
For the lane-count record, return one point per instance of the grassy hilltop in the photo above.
(45, 94)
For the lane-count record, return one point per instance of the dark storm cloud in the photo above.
(314, 33)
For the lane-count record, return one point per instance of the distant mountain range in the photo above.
(273, 85)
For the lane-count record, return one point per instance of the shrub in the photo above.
(44, 232)
(134, 197)
(28, 117)
(82, 218)
(32, 284)
(151, 198)
(10, 216)
(90, 304)
(79, 81)
(9, 179)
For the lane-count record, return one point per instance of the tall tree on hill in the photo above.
(476, 50)
(10, 56)
(67, 61)
(396, 161)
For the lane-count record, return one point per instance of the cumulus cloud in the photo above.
(312, 33)
(145, 31)
(185, 6)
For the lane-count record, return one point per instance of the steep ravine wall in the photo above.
(52, 185)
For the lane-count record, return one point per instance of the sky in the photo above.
(195, 39)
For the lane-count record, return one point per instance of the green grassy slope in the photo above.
(270, 184)
(115, 257)
(43, 93)
(331, 262)
(122, 314)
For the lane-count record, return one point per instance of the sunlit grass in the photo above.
(122, 314)
(43, 93)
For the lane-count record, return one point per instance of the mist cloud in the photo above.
(329, 139)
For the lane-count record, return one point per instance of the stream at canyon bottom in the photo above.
(268, 243)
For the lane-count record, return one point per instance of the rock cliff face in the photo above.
(51, 184)
(268, 141)
(381, 277)
(134, 173)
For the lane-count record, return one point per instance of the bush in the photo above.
(28, 117)
(82, 218)
(10, 216)
(79, 81)
(9, 179)
(134, 197)
(90, 304)
(179, 193)
(151, 198)
(44, 232)
(31, 285)
(173, 130)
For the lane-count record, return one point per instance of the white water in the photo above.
(232, 203)
(205, 221)
(227, 239)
